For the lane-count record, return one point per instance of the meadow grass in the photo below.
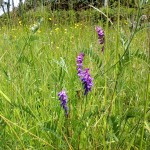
(34, 67)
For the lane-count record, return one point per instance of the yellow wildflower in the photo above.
(20, 22)
(56, 29)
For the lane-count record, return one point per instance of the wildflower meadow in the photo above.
(69, 84)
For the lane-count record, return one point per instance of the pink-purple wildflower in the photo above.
(63, 99)
(87, 81)
(84, 75)
(80, 64)
(101, 36)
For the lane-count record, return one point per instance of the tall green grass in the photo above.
(36, 65)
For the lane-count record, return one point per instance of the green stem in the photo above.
(84, 107)
(117, 49)
(105, 93)
(147, 94)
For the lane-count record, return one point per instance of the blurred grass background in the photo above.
(38, 59)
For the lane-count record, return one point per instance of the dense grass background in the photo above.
(35, 66)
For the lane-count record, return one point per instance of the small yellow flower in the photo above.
(56, 29)
(20, 22)
(50, 18)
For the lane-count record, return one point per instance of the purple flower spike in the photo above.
(84, 75)
(87, 81)
(100, 33)
(101, 36)
(80, 64)
(63, 99)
